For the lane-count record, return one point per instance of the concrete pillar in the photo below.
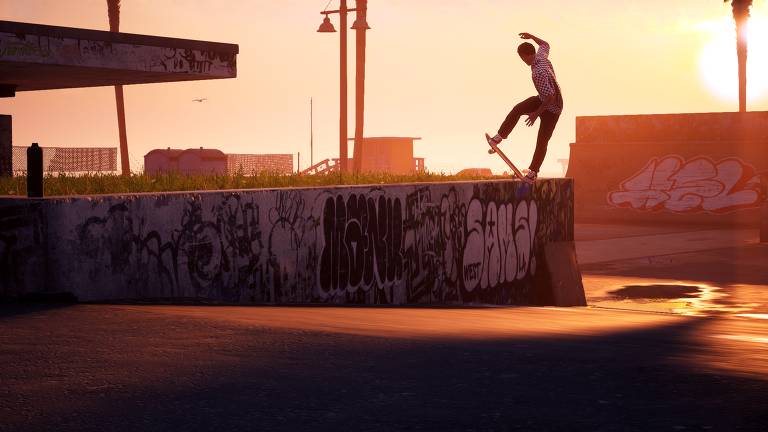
(6, 146)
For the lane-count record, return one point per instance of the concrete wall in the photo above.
(468, 242)
(673, 168)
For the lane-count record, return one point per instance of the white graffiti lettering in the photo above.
(499, 245)
(696, 185)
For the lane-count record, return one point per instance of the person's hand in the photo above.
(531, 119)
(526, 36)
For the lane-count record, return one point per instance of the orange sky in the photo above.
(444, 70)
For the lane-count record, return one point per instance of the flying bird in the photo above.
(200, 100)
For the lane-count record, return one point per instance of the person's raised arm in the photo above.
(539, 41)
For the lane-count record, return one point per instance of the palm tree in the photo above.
(741, 17)
(113, 10)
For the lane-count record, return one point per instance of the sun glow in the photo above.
(718, 64)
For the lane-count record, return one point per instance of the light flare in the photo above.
(718, 65)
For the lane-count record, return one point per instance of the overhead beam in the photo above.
(41, 57)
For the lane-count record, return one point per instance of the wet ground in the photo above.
(705, 272)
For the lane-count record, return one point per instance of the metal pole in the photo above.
(362, 9)
(34, 171)
(343, 88)
(311, 135)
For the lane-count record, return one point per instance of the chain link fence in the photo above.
(255, 163)
(69, 159)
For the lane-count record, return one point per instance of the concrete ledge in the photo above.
(562, 268)
(442, 243)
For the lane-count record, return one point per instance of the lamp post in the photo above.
(360, 26)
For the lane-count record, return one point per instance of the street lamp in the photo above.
(360, 26)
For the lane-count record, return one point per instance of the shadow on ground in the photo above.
(10, 309)
(96, 369)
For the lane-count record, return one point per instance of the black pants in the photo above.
(547, 126)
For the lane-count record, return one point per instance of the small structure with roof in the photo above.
(202, 161)
(161, 161)
(198, 161)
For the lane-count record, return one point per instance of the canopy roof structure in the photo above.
(43, 57)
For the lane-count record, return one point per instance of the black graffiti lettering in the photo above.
(363, 243)
(353, 239)
(472, 271)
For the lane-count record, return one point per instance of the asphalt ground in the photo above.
(156, 368)
(668, 352)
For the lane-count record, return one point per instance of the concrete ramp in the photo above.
(673, 168)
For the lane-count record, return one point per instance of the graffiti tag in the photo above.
(499, 247)
(363, 240)
(697, 185)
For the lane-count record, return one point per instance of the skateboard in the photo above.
(504, 157)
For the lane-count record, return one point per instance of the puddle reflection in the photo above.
(679, 298)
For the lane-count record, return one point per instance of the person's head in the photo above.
(527, 52)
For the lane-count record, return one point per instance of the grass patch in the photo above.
(62, 184)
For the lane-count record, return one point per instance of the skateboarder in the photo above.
(547, 106)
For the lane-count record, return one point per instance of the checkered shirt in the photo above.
(545, 80)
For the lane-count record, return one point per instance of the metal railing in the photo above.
(327, 166)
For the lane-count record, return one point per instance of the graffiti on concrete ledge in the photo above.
(438, 244)
(500, 242)
(362, 241)
(22, 238)
(696, 185)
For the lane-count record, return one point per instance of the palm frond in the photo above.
(740, 9)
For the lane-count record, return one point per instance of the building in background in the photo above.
(161, 160)
(203, 161)
(391, 155)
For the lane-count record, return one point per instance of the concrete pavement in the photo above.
(662, 244)
(153, 368)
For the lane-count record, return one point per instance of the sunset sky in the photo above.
(443, 70)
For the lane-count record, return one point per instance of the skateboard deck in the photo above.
(504, 157)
